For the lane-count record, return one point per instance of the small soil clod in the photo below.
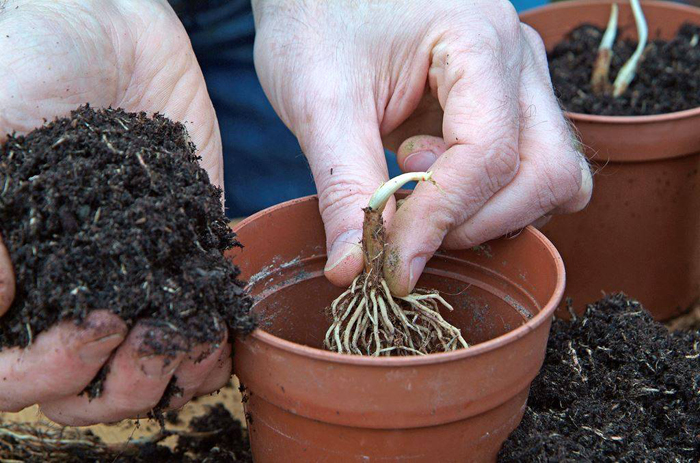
(110, 210)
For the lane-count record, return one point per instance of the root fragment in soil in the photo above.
(368, 320)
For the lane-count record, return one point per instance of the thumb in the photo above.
(348, 164)
(7, 280)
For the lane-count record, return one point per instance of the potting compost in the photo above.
(615, 386)
(110, 210)
(213, 437)
(668, 78)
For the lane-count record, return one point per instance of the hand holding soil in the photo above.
(129, 54)
(489, 127)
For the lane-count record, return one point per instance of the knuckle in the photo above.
(560, 181)
(505, 19)
(338, 197)
(461, 238)
(535, 41)
(537, 52)
(501, 163)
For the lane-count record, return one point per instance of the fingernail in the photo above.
(98, 351)
(420, 161)
(415, 271)
(346, 245)
(158, 366)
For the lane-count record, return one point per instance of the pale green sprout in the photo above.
(629, 70)
(600, 82)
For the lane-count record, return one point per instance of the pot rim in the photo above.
(492, 344)
(621, 120)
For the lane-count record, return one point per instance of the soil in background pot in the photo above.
(111, 210)
(615, 386)
(667, 80)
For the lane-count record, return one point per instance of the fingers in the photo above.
(220, 375)
(61, 361)
(342, 196)
(135, 383)
(418, 153)
(195, 370)
(553, 176)
(7, 280)
(345, 152)
(481, 131)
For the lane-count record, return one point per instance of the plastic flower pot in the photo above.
(304, 404)
(641, 232)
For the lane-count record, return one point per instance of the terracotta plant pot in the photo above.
(305, 404)
(641, 232)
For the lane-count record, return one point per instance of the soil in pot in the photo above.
(615, 386)
(110, 210)
(213, 437)
(667, 80)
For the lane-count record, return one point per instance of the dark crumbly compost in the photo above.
(615, 386)
(229, 445)
(667, 80)
(215, 437)
(110, 210)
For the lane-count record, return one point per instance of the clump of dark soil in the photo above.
(215, 437)
(667, 80)
(228, 445)
(615, 386)
(111, 210)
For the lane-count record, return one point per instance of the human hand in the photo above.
(463, 87)
(136, 55)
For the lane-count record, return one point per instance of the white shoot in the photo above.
(611, 31)
(380, 197)
(629, 70)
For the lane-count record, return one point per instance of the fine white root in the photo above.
(600, 81)
(629, 69)
(381, 324)
(369, 320)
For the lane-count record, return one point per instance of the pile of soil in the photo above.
(615, 386)
(667, 80)
(212, 438)
(110, 210)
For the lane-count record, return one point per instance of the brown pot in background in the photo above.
(641, 232)
(304, 404)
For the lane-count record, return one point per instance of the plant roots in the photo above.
(368, 320)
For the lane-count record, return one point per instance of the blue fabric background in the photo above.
(263, 164)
